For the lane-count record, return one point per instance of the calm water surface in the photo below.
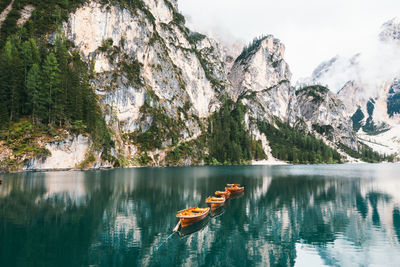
(333, 215)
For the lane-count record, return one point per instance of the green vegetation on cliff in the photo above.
(365, 153)
(46, 18)
(47, 84)
(295, 146)
(44, 81)
(4, 4)
(50, 85)
(228, 140)
(317, 92)
(250, 48)
(357, 118)
(393, 104)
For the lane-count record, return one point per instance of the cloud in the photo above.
(377, 63)
(312, 30)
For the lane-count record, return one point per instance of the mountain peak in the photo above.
(269, 43)
(390, 30)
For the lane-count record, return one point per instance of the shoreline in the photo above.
(253, 163)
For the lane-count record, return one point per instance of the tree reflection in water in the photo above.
(125, 218)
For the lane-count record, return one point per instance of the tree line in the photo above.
(229, 141)
(49, 84)
(293, 145)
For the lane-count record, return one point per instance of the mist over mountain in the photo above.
(148, 90)
(367, 83)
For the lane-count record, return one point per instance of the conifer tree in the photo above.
(51, 83)
(65, 77)
(34, 94)
(13, 79)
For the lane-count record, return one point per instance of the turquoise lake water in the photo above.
(294, 215)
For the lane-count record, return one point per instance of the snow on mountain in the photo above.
(368, 86)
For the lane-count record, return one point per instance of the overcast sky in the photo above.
(312, 30)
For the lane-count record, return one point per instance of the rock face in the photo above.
(5, 12)
(147, 64)
(352, 97)
(65, 154)
(373, 106)
(26, 13)
(390, 30)
(323, 112)
(261, 78)
(158, 82)
(345, 75)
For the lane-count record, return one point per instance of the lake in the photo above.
(292, 215)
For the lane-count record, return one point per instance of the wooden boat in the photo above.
(234, 189)
(232, 185)
(215, 202)
(192, 215)
(225, 194)
(195, 227)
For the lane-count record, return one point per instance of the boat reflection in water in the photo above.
(227, 202)
(333, 215)
(195, 227)
(237, 195)
(215, 202)
(218, 211)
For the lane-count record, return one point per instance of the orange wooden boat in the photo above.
(234, 189)
(215, 202)
(232, 185)
(225, 194)
(192, 215)
(197, 226)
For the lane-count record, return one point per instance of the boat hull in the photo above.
(192, 228)
(235, 190)
(186, 220)
(215, 206)
(225, 194)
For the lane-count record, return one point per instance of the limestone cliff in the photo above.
(158, 83)
(153, 75)
(261, 79)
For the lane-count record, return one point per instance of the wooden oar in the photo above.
(177, 226)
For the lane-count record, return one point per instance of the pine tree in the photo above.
(64, 88)
(4, 94)
(13, 77)
(30, 55)
(51, 82)
(34, 94)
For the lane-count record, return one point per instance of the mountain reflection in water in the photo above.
(289, 215)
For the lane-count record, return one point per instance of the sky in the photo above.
(313, 31)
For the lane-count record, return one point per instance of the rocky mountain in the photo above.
(372, 106)
(261, 78)
(390, 30)
(157, 80)
(159, 86)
